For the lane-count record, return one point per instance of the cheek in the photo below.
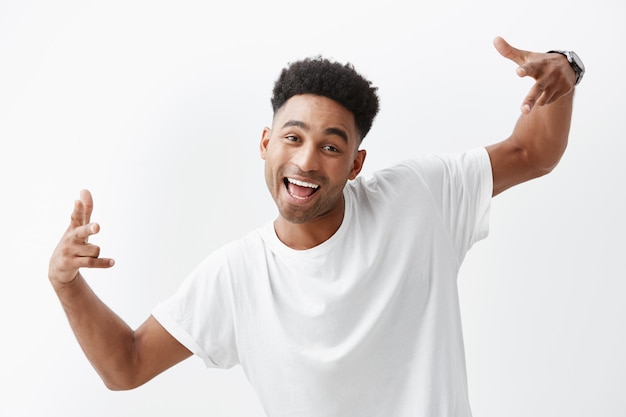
(345, 170)
(271, 173)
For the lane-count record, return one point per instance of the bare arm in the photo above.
(122, 357)
(540, 136)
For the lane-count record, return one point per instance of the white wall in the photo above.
(157, 107)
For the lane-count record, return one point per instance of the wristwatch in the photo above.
(574, 61)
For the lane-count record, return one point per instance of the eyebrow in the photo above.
(329, 131)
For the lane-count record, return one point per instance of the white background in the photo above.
(157, 107)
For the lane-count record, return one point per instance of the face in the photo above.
(310, 153)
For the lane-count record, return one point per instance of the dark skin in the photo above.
(540, 136)
(319, 150)
(314, 143)
(122, 357)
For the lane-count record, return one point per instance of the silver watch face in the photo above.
(576, 59)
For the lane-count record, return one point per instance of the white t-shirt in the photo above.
(365, 324)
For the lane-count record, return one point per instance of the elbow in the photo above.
(540, 163)
(542, 170)
(545, 166)
(539, 156)
(118, 385)
(122, 372)
(120, 381)
(111, 386)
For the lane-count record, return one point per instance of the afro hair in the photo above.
(332, 80)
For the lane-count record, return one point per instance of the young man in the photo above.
(346, 304)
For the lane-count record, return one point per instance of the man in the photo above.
(346, 304)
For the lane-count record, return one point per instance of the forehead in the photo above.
(320, 113)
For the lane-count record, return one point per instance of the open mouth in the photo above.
(300, 189)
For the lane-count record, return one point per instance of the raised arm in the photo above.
(123, 358)
(540, 136)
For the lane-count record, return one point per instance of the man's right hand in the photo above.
(74, 250)
(124, 358)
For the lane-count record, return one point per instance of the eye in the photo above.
(330, 148)
(291, 138)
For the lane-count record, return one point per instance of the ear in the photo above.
(357, 164)
(265, 139)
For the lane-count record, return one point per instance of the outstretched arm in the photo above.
(540, 136)
(122, 357)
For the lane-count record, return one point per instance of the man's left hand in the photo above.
(554, 77)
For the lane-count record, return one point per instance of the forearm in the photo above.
(107, 341)
(541, 135)
(535, 147)
(124, 358)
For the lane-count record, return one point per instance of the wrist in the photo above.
(574, 61)
(59, 284)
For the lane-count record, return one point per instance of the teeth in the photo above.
(302, 183)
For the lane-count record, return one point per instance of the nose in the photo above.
(306, 158)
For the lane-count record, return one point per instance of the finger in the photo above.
(533, 68)
(88, 262)
(88, 251)
(76, 219)
(547, 97)
(532, 97)
(82, 233)
(85, 197)
(506, 50)
(76, 251)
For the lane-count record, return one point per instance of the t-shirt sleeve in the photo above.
(200, 314)
(461, 186)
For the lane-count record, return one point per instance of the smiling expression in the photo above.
(310, 153)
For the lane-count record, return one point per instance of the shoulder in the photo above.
(427, 170)
(231, 255)
(459, 162)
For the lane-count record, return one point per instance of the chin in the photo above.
(296, 218)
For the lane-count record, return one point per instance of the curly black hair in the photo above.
(336, 81)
